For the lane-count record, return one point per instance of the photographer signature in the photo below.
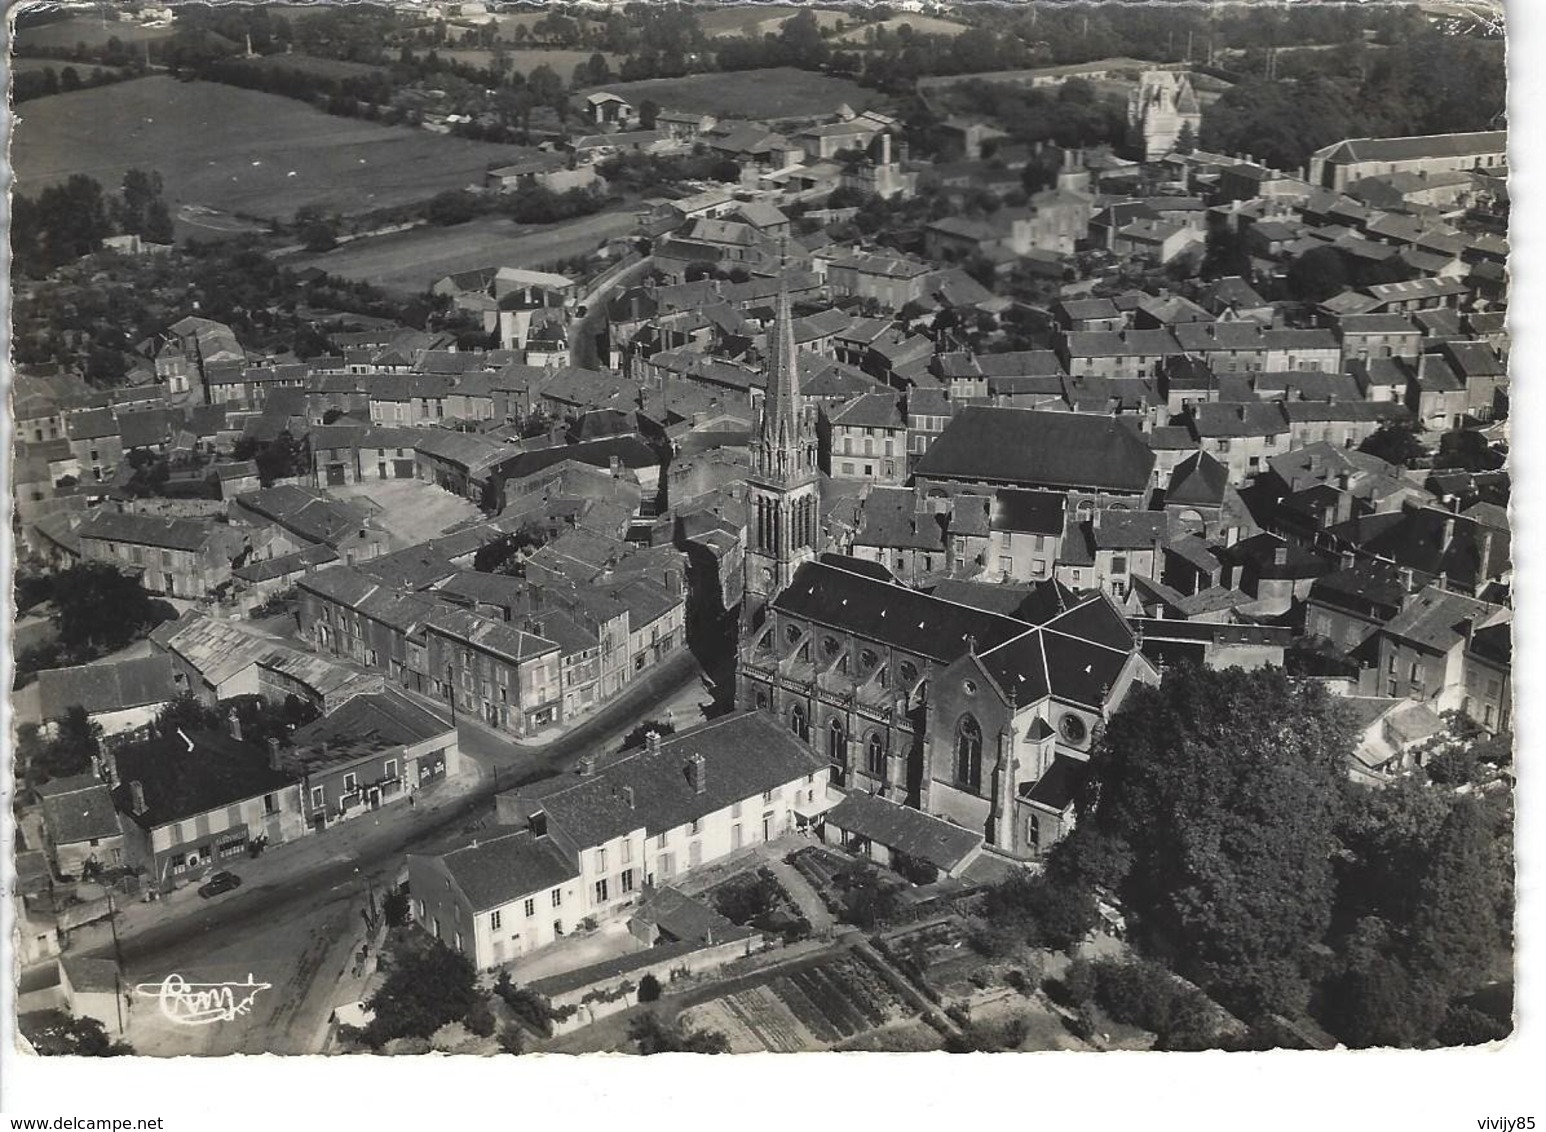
(199, 1004)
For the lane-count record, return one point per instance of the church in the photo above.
(980, 707)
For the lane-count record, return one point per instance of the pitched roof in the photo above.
(891, 613)
(180, 783)
(1028, 512)
(78, 809)
(1077, 656)
(106, 686)
(493, 873)
(1041, 449)
(1414, 148)
(1198, 481)
(906, 830)
(1436, 619)
(743, 755)
(148, 530)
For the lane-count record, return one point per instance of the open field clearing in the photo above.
(921, 25)
(408, 262)
(238, 151)
(526, 60)
(778, 92)
(65, 34)
(312, 65)
(759, 19)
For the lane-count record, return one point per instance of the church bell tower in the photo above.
(783, 500)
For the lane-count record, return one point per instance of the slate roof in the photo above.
(1057, 788)
(744, 754)
(1198, 481)
(1077, 656)
(906, 830)
(1042, 449)
(493, 873)
(297, 561)
(1435, 619)
(872, 410)
(890, 613)
(77, 809)
(106, 686)
(147, 530)
(1415, 148)
(371, 721)
(682, 917)
(1495, 643)
(182, 784)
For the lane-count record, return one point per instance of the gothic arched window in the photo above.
(968, 754)
(837, 748)
(875, 756)
(798, 723)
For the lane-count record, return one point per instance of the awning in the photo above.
(809, 811)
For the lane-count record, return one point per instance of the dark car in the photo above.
(220, 882)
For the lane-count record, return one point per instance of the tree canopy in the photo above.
(423, 991)
(1225, 787)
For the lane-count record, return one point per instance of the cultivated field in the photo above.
(408, 262)
(312, 65)
(778, 92)
(804, 1009)
(65, 34)
(239, 151)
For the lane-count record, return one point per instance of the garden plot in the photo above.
(810, 1008)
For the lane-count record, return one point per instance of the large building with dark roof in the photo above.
(932, 702)
(1073, 452)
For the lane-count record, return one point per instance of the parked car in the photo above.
(220, 882)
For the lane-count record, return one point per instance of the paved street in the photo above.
(297, 919)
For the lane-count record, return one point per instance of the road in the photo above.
(297, 924)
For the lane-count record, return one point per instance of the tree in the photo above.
(649, 110)
(98, 608)
(1468, 451)
(1455, 933)
(640, 734)
(54, 1033)
(76, 745)
(652, 1035)
(1317, 275)
(1186, 138)
(649, 989)
(1044, 912)
(423, 991)
(1395, 443)
(1226, 785)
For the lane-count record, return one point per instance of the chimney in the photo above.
(538, 823)
(1449, 532)
(627, 794)
(587, 765)
(1484, 555)
(234, 723)
(652, 742)
(137, 796)
(273, 753)
(697, 774)
(1344, 505)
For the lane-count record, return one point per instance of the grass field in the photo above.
(408, 262)
(233, 150)
(778, 92)
(93, 33)
(921, 25)
(527, 60)
(759, 19)
(312, 65)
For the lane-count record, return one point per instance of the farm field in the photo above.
(313, 65)
(778, 92)
(921, 25)
(65, 34)
(238, 151)
(759, 19)
(526, 60)
(408, 262)
(803, 1009)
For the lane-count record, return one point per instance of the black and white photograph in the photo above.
(734, 529)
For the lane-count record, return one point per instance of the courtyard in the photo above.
(412, 511)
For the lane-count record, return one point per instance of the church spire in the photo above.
(785, 447)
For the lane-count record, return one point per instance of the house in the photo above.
(1117, 353)
(909, 536)
(190, 801)
(312, 516)
(1241, 437)
(117, 696)
(1389, 731)
(95, 988)
(185, 558)
(1422, 649)
(375, 750)
(1487, 666)
(606, 108)
(81, 825)
(1349, 606)
(869, 439)
(1028, 528)
(592, 845)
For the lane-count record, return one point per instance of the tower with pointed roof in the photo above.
(783, 487)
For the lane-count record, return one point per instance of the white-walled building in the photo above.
(588, 845)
